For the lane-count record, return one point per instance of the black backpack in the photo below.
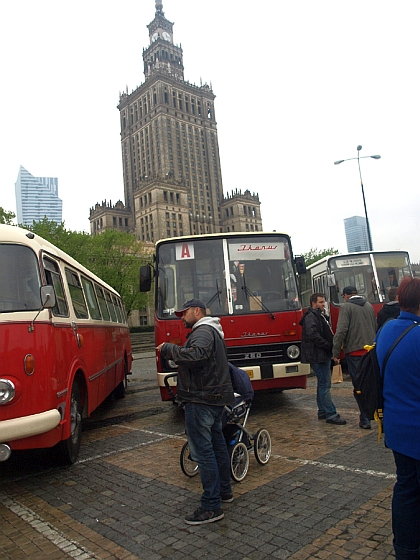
(368, 382)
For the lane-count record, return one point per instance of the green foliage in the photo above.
(6, 217)
(315, 254)
(114, 256)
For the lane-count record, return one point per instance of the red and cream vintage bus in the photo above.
(64, 345)
(372, 273)
(249, 281)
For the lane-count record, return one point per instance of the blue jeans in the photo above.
(352, 362)
(203, 425)
(406, 508)
(322, 371)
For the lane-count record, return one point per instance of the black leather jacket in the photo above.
(317, 337)
(203, 371)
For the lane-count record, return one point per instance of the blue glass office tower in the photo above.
(36, 198)
(356, 234)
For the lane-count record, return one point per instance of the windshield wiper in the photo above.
(216, 295)
(259, 301)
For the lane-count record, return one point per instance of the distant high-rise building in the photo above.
(170, 151)
(356, 234)
(36, 198)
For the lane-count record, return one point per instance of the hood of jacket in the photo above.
(391, 307)
(357, 300)
(212, 322)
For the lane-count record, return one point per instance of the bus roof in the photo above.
(15, 234)
(218, 235)
(351, 255)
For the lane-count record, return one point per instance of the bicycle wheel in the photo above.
(239, 461)
(188, 466)
(262, 446)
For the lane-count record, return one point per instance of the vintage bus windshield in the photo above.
(231, 275)
(367, 272)
(20, 281)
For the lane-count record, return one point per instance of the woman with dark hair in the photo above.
(402, 416)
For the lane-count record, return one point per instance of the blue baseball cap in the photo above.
(188, 304)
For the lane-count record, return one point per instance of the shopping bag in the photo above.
(337, 374)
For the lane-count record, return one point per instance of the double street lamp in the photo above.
(363, 191)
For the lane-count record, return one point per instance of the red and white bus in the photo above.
(372, 273)
(64, 345)
(249, 281)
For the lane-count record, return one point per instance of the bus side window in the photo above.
(92, 302)
(110, 306)
(76, 294)
(102, 303)
(53, 278)
(117, 309)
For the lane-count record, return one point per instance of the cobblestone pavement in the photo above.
(325, 493)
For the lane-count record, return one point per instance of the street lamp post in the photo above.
(363, 190)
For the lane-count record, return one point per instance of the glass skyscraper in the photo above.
(36, 198)
(356, 234)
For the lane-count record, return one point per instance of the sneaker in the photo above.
(226, 498)
(336, 419)
(201, 516)
(322, 416)
(364, 426)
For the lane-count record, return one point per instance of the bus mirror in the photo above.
(145, 278)
(47, 297)
(300, 265)
(330, 280)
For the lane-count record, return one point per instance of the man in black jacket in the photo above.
(204, 387)
(390, 310)
(316, 349)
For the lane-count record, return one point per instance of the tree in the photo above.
(315, 254)
(6, 217)
(114, 256)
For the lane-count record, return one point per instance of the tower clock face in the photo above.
(155, 36)
(166, 36)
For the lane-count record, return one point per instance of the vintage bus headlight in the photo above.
(293, 352)
(7, 391)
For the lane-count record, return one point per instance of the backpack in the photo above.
(241, 382)
(368, 382)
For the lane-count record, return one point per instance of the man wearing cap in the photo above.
(204, 387)
(356, 327)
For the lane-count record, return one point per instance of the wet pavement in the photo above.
(325, 493)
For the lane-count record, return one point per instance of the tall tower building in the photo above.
(356, 234)
(36, 198)
(170, 151)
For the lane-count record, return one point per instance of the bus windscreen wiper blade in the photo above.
(249, 293)
(216, 295)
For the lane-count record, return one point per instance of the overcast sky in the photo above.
(298, 85)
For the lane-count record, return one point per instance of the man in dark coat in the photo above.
(316, 349)
(390, 310)
(204, 387)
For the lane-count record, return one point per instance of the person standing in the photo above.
(204, 387)
(389, 310)
(402, 416)
(356, 327)
(316, 348)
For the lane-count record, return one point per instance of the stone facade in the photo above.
(170, 153)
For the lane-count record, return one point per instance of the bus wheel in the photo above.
(68, 450)
(239, 461)
(262, 446)
(119, 391)
(188, 466)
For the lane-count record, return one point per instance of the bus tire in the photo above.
(68, 449)
(119, 391)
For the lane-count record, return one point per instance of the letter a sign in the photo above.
(184, 251)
